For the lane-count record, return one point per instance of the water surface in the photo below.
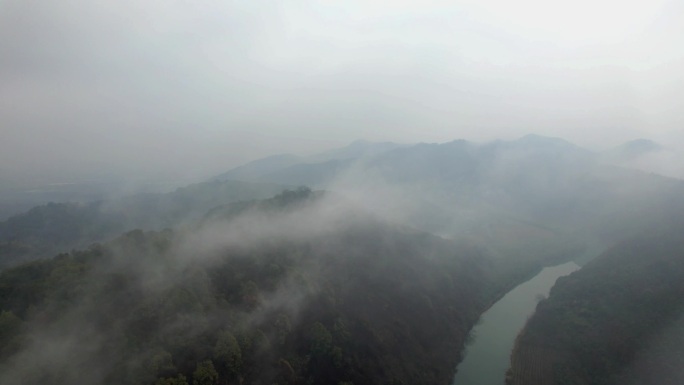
(488, 357)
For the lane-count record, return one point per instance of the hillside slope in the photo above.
(280, 291)
(605, 324)
(59, 227)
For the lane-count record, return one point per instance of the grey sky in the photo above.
(180, 88)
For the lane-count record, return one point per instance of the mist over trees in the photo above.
(316, 192)
(377, 275)
(48, 229)
(308, 304)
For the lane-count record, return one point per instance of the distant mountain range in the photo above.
(633, 150)
(320, 169)
(306, 170)
(535, 197)
(648, 156)
(535, 185)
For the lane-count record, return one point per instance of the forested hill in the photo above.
(619, 320)
(299, 289)
(59, 227)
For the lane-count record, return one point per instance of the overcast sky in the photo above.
(184, 88)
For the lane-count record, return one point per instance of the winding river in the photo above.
(488, 357)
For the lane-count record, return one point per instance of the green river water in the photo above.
(488, 357)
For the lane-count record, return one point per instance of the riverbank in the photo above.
(487, 358)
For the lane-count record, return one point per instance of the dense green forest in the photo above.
(357, 302)
(616, 321)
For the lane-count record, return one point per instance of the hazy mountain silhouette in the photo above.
(59, 227)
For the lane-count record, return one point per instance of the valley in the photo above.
(308, 192)
(378, 275)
